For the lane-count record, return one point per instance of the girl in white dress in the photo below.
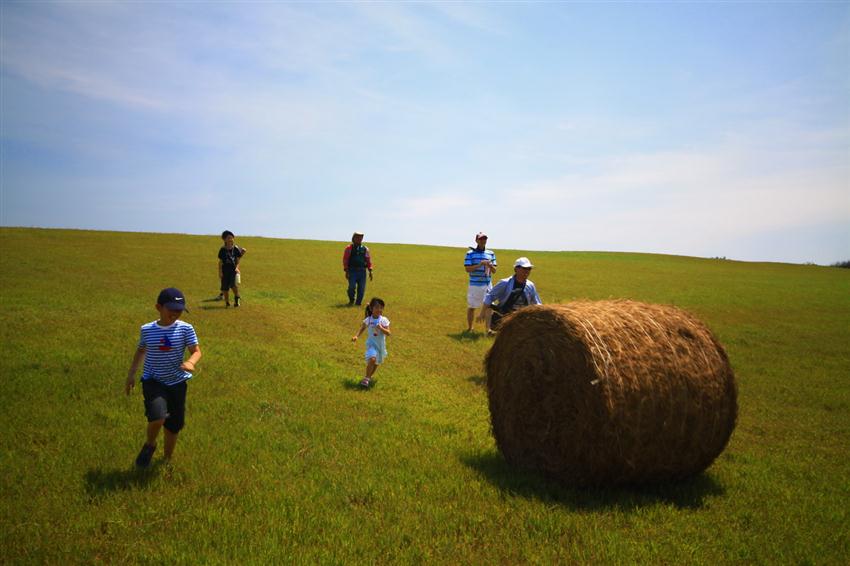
(376, 341)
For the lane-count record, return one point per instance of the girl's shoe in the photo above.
(227, 305)
(365, 382)
(236, 301)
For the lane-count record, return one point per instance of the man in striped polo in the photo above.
(480, 263)
(162, 345)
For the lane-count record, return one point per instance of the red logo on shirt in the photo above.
(165, 345)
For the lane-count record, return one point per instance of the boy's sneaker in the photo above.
(236, 301)
(143, 460)
(220, 297)
(365, 382)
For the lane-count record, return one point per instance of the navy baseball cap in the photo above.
(173, 299)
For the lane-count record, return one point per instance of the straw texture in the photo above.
(609, 392)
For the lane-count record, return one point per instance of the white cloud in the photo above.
(679, 202)
(425, 207)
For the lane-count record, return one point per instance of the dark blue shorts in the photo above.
(228, 279)
(165, 402)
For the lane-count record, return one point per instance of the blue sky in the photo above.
(707, 129)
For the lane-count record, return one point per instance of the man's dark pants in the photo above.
(356, 278)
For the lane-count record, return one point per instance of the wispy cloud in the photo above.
(428, 207)
(445, 117)
(688, 201)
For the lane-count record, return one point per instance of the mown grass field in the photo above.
(283, 460)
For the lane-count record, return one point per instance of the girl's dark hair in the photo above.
(227, 233)
(372, 303)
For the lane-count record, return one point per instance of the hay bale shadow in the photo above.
(478, 380)
(686, 494)
(100, 482)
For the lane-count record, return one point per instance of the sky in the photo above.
(711, 129)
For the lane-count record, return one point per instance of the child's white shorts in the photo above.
(372, 352)
(475, 296)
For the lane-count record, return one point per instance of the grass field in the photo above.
(283, 460)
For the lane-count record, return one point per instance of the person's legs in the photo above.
(371, 367)
(156, 408)
(152, 431)
(474, 300)
(361, 286)
(156, 411)
(222, 287)
(143, 460)
(352, 282)
(228, 282)
(170, 443)
(236, 296)
(176, 416)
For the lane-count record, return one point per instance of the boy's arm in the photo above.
(220, 274)
(359, 332)
(134, 365)
(189, 365)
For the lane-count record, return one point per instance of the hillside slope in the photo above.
(284, 460)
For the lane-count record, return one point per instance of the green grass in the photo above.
(284, 461)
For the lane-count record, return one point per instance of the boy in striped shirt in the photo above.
(480, 264)
(164, 375)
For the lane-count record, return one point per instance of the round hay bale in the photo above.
(609, 392)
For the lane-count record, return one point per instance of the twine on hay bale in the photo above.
(609, 392)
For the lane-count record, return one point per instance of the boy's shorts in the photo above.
(475, 295)
(228, 280)
(165, 402)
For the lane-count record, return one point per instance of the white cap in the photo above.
(522, 262)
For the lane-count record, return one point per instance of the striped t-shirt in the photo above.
(479, 277)
(164, 348)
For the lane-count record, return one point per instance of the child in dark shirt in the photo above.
(229, 257)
